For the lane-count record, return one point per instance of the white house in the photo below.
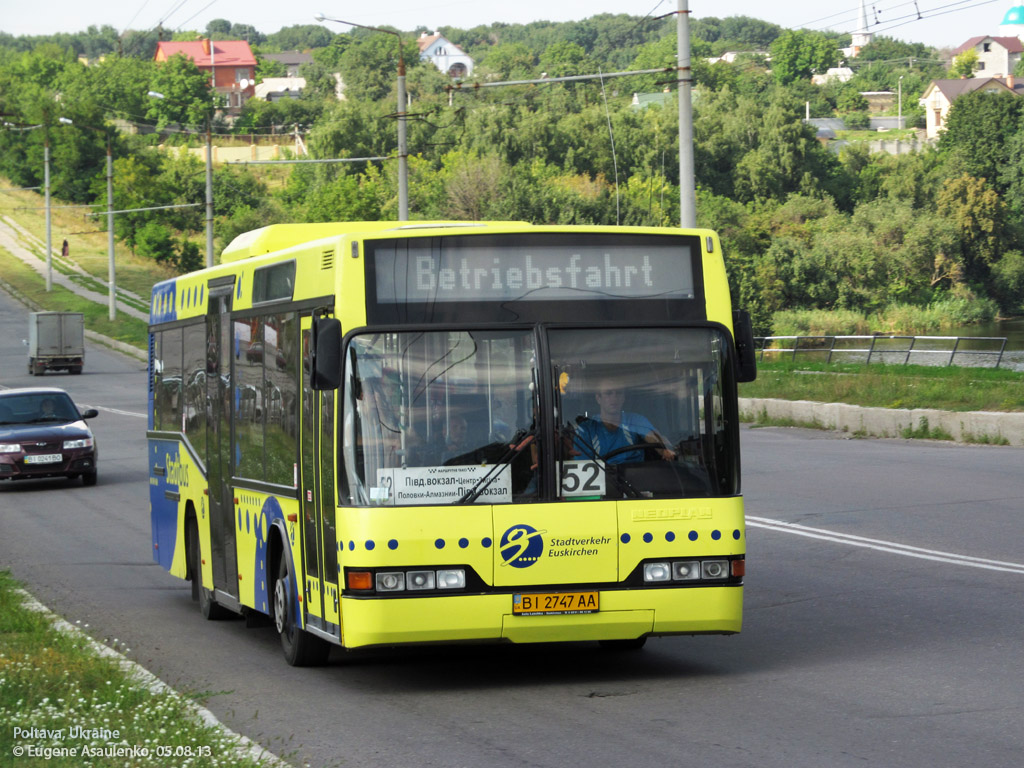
(997, 56)
(445, 55)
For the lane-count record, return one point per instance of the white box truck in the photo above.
(56, 341)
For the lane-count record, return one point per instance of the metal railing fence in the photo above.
(883, 348)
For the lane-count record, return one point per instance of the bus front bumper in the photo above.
(623, 615)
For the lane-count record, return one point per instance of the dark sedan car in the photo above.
(43, 434)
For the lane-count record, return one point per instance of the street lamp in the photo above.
(209, 182)
(403, 169)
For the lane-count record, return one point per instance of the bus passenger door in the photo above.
(218, 439)
(319, 533)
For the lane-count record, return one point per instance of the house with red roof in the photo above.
(231, 64)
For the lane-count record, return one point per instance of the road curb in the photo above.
(960, 426)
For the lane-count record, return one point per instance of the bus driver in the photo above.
(615, 428)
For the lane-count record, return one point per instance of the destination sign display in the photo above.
(439, 271)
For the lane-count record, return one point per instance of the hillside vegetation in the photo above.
(803, 228)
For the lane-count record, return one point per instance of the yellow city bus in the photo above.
(384, 433)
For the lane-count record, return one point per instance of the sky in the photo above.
(943, 23)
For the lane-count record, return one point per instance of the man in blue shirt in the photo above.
(615, 428)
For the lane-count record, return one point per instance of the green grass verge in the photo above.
(52, 683)
(890, 386)
(27, 284)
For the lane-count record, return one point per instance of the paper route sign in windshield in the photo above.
(441, 485)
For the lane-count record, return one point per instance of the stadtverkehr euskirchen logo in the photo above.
(521, 546)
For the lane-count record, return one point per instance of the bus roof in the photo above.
(277, 237)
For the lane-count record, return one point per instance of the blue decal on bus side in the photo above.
(164, 510)
(262, 524)
(164, 307)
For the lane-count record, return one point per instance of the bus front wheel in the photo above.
(301, 649)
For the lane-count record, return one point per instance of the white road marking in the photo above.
(880, 545)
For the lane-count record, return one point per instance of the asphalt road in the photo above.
(856, 651)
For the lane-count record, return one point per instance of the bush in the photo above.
(820, 322)
(856, 121)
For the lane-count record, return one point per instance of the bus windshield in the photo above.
(430, 416)
(448, 417)
(641, 413)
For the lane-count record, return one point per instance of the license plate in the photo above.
(44, 458)
(555, 603)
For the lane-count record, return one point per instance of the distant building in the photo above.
(445, 55)
(842, 74)
(645, 100)
(292, 60)
(1013, 23)
(861, 37)
(940, 95)
(997, 56)
(277, 88)
(231, 65)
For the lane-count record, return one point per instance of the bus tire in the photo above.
(207, 606)
(301, 649)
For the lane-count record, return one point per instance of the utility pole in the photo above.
(111, 290)
(687, 192)
(403, 150)
(46, 186)
(209, 195)
(209, 175)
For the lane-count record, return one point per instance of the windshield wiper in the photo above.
(520, 441)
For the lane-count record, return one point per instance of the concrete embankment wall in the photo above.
(963, 427)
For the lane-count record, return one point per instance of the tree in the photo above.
(980, 218)
(978, 132)
(188, 97)
(964, 64)
(510, 61)
(369, 64)
(300, 37)
(218, 29)
(798, 54)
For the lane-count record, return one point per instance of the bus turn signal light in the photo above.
(360, 580)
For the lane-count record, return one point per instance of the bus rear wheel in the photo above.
(301, 649)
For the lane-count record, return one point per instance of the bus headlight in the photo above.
(391, 581)
(715, 569)
(454, 578)
(686, 570)
(420, 580)
(657, 572)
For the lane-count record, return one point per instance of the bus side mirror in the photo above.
(746, 354)
(326, 370)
